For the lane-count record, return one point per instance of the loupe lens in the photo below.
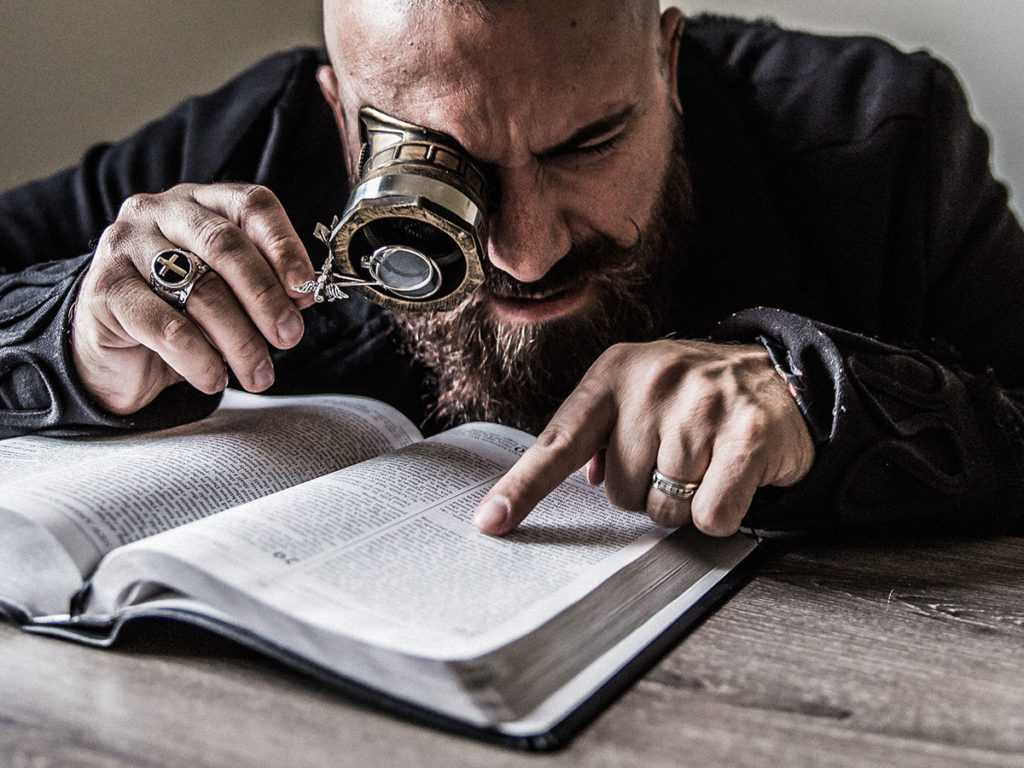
(418, 235)
(405, 271)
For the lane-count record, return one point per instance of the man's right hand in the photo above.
(128, 343)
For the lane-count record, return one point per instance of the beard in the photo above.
(482, 369)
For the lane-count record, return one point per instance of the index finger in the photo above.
(574, 434)
(258, 213)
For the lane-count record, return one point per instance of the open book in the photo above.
(326, 532)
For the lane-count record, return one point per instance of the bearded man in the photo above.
(717, 255)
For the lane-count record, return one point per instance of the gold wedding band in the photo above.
(677, 489)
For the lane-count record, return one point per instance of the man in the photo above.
(653, 178)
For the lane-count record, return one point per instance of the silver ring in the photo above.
(677, 489)
(174, 273)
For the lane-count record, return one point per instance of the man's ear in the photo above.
(672, 23)
(328, 82)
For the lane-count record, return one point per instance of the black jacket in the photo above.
(835, 179)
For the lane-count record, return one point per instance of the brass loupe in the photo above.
(412, 233)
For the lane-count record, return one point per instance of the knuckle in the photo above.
(618, 353)
(249, 346)
(256, 196)
(615, 357)
(621, 497)
(661, 373)
(211, 292)
(266, 296)
(256, 205)
(211, 298)
(661, 369)
(714, 522)
(185, 189)
(555, 440)
(116, 241)
(755, 428)
(139, 205)
(667, 511)
(708, 405)
(205, 367)
(279, 243)
(176, 333)
(221, 237)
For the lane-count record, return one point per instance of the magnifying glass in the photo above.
(411, 236)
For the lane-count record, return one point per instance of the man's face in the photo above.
(572, 106)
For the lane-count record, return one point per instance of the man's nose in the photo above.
(527, 233)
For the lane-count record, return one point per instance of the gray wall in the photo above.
(79, 72)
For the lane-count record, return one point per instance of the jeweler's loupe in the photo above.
(412, 233)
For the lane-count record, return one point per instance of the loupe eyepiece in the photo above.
(404, 271)
(411, 236)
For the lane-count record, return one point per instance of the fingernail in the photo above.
(298, 277)
(263, 376)
(222, 382)
(289, 327)
(492, 514)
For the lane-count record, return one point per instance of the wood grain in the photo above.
(908, 654)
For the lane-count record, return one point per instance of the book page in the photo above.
(385, 551)
(95, 494)
(37, 577)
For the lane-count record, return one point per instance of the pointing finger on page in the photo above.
(575, 433)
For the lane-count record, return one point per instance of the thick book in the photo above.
(326, 532)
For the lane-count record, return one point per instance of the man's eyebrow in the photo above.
(589, 132)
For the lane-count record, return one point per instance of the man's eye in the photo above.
(601, 148)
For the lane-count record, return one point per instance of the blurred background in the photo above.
(75, 73)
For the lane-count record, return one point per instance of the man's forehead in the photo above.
(403, 19)
(535, 65)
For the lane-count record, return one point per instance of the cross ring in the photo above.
(677, 489)
(174, 273)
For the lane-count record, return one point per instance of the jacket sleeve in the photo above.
(913, 445)
(924, 433)
(39, 391)
(49, 229)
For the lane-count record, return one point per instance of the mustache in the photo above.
(595, 258)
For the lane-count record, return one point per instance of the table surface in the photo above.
(907, 654)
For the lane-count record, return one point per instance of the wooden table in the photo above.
(909, 654)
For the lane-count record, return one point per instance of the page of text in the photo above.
(97, 494)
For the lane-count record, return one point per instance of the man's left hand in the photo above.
(714, 414)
